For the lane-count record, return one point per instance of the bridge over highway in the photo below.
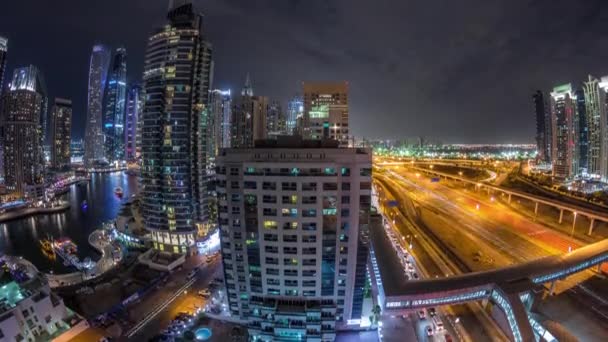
(593, 215)
(509, 288)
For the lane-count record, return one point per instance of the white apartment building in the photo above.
(293, 219)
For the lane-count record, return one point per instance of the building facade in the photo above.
(61, 133)
(295, 110)
(98, 72)
(543, 127)
(3, 53)
(220, 106)
(176, 81)
(114, 108)
(22, 106)
(249, 114)
(326, 111)
(134, 107)
(293, 217)
(583, 132)
(564, 153)
(275, 120)
(596, 115)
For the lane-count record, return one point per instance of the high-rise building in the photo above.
(114, 108)
(295, 110)
(293, 216)
(23, 104)
(3, 52)
(61, 133)
(583, 132)
(565, 132)
(135, 102)
(177, 76)
(596, 115)
(326, 111)
(220, 106)
(275, 120)
(249, 114)
(98, 72)
(543, 127)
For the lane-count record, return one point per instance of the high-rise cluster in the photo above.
(572, 129)
(61, 133)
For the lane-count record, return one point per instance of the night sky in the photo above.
(457, 71)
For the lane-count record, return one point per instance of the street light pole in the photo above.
(573, 225)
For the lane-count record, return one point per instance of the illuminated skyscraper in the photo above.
(220, 108)
(98, 72)
(23, 104)
(294, 224)
(583, 132)
(61, 133)
(543, 127)
(114, 109)
(565, 132)
(177, 76)
(275, 120)
(295, 110)
(326, 111)
(596, 117)
(135, 102)
(3, 52)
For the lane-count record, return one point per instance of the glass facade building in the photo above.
(23, 105)
(295, 110)
(176, 83)
(61, 133)
(98, 72)
(135, 102)
(114, 108)
(564, 153)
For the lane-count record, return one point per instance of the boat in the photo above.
(47, 248)
(118, 191)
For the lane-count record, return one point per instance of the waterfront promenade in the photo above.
(100, 241)
(25, 212)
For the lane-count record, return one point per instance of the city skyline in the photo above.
(402, 82)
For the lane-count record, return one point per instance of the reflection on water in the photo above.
(20, 237)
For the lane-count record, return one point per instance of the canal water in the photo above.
(20, 237)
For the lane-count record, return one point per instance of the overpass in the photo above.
(593, 215)
(508, 288)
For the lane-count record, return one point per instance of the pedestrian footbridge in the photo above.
(509, 288)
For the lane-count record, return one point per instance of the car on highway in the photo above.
(192, 273)
(432, 312)
(421, 314)
(205, 293)
(429, 331)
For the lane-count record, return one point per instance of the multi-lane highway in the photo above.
(476, 231)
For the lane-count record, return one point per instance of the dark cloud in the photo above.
(459, 71)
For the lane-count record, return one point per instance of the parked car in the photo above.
(429, 331)
(421, 314)
(205, 293)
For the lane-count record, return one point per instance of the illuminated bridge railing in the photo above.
(446, 300)
(574, 269)
(503, 302)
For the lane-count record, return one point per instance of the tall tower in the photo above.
(134, 108)
(3, 52)
(295, 110)
(542, 140)
(565, 132)
(61, 133)
(220, 108)
(275, 122)
(293, 219)
(22, 107)
(249, 114)
(326, 111)
(176, 81)
(596, 112)
(98, 72)
(583, 132)
(114, 109)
